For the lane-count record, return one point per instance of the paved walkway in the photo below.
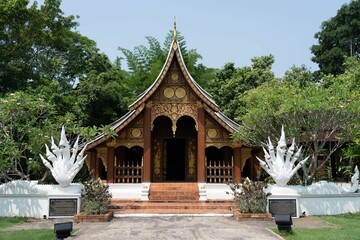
(174, 227)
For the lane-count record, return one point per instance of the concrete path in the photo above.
(174, 227)
(166, 228)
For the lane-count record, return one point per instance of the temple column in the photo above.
(237, 164)
(201, 145)
(146, 177)
(92, 162)
(110, 161)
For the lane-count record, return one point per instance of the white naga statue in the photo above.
(355, 180)
(63, 165)
(280, 166)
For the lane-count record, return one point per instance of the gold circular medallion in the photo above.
(212, 133)
(180, 92)
(169, 92)
(136, 132)
(174, 77)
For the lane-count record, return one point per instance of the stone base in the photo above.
(93, 218)
(251, 216)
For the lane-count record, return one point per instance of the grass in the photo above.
(10, 221)
(347, 227)
(36, 234)
(44, 234)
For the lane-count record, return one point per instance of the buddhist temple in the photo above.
(173, 132)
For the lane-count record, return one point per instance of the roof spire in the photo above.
(174, 32)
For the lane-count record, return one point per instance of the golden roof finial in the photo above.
(174, 33)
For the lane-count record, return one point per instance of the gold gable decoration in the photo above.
(174, 112)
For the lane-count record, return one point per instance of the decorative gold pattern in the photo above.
(169, 92)
(174, 77)
(192, 160)
(245, 155)
(174, 112)
(103, 160)
(157, 159)
(180, 92)
(111, 143)
(212, 133)
(136, 132)
(175, 46)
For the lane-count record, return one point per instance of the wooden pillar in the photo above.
(237, 164)
(201, 145)
(146, 177)
(110, 161)
(92, 163)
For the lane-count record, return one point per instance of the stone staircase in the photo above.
(172, 198)
(174, 192)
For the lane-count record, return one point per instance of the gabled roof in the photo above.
(137, 107)
(115, 126)
(174, 51)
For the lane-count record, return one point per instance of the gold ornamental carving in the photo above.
(111, 143)
(212, 133)
(157, 159)
(192, 160)
(174, 112)
(174, 77)
(168, 92)
(136, 132)
(180, 92)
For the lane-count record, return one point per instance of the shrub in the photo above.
(95, 197)
(249, 196)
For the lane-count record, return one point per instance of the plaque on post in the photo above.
(283, 206)
(62, 207)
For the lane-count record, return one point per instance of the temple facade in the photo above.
(173, 132)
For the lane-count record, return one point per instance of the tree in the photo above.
(38, 44)
(103, 96)
(24, 123)
(339, 37)
(300, 76)
(230, 83)
(145, 63)
(321, 117)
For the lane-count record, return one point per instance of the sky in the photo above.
(220, 31)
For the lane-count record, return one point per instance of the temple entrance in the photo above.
(175, 159)
(174, 155)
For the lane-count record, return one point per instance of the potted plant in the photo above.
(250, 200)
(95, 200)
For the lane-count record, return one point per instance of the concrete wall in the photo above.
(28, 199)
(331, 204)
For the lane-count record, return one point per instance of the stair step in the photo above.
(174, 191)
(173, 207)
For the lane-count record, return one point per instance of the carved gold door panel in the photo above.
(174, 159)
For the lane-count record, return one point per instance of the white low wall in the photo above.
(127, 191)
(28, 199)
(320, 198)
(217, 191)
(330, 204)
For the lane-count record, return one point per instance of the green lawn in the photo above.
(43, 234)
(347, 227)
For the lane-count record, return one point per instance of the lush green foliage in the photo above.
(95, 198)
(249, 196)
(346, 227)
(338, 38)
(145, 63)
(230, 83)
(315, 114)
